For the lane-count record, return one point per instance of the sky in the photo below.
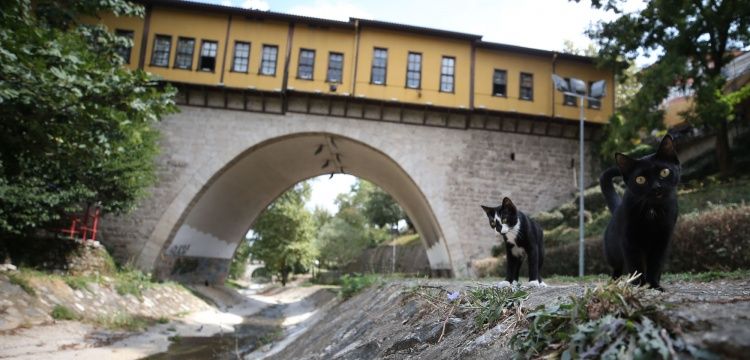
(540, 24)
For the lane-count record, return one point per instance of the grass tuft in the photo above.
(611, 321)
(353, 284)
(123, 321)
(60, 312)
(132, 281)
(77, 282)
(23, 282)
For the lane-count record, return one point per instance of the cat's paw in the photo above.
(504, 284)
(536, 283)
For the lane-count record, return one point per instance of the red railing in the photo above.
(85, 226)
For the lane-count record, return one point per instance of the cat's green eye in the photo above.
(640, 180)
(664, 173)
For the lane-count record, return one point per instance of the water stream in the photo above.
(255, 331)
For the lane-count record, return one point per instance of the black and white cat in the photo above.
(639, 233)
(522, 237)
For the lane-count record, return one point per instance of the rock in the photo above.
(7, 268)
(402, 345)
(355, 351)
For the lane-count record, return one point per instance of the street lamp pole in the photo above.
(580, 194)
(577, 88)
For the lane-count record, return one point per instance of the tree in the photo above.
(283, 234)
(380, 208)
(693, 42)
(77, 126)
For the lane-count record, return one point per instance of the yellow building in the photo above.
(238, 49)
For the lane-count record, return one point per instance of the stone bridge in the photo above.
(226, 156)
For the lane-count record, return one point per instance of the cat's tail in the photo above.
(608, 189)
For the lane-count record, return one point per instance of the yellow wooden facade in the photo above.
(474, 61)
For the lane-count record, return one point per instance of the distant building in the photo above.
(680, 98)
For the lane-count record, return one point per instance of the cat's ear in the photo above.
(489, 211)
(508, 203)
(666, 151)
(624, 163)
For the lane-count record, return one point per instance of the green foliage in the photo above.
(353, 284)
(612, 321)
(22, 281)
(702, 195)
(272, 335)
(77, 282)
(60, 312)
(360, 223)
(239, 261)
(406, 240)
(693, 40)
(132, 281)
(380, 208)
(77, 126)
(283, 234)
(123, 321)
(492, 304)
(713, 240)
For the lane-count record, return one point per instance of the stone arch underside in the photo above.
(201, 245)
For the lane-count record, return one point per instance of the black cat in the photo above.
(638, 235)
(522, 237)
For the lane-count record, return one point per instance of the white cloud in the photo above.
(256, 4)
(330, 9)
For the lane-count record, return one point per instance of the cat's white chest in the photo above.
(510, 237)
(518, 251)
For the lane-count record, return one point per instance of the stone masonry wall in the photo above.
(456, 170)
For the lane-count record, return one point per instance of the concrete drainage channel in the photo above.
(259, 335)
(253, 332)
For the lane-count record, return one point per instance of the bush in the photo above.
(132, 281)
(593, 199)
(712, 240)
(549, 220)
(488, 267)
(60, 312)
(353, 284)
(563, 260)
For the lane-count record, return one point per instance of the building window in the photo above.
(569, 100)
(335, 67)
(594, 103)
(306, 64)
(268, 60)
(208, 56)
(379, 66)
(241, 57)
(527, 86)
(500, 83)
(124, 51)
(447, 73)
(184, 57)
(414, 71)
(160, 55)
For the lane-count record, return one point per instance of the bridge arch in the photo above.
(438, 173)
(202, 243)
